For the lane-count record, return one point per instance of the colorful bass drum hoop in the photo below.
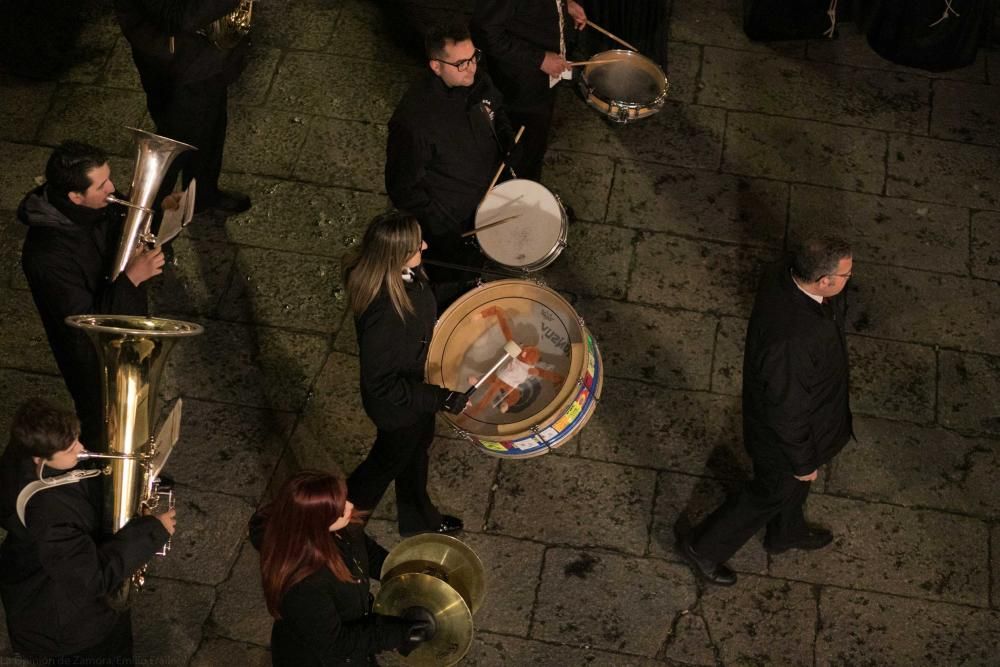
(556, 396)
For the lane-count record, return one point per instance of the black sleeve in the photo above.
(407, 154)
(381, 368)
(311, 612)
(786, 402)
(376, 557)
(501, 122)
(176, 16)
(489, 30)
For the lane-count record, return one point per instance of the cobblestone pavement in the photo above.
(675, 216)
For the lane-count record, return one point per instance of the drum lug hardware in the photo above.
(580, 321)
(462, 434)
(538, 434)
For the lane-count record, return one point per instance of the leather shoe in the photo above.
(813, 538)
(449, 524)
(714, 573)
(230, 202)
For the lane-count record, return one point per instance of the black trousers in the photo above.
(115, 649)
(399, 456)
(194, 113)
(773, 498)
(537, 120)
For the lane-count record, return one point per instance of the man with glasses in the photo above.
(525, 46)
(447, 138)
(796, 414)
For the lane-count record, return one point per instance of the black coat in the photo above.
(393, 355)
(67, 258)
(514, 35)
(796, 413)
(149, 24)
(55, 572)
(443, 150)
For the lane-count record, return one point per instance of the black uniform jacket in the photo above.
(393, 354)
(67, 263)
(325, 621)
(149, 24)
(796, 413)
(55, 572)
(444, 146)
(514, 35)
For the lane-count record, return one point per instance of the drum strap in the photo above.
(948, 9)
(832, 13)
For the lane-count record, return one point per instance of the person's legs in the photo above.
(415, 509)
(389, 455)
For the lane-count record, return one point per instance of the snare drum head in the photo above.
(538, 228)
(470, 337)
(632, 78)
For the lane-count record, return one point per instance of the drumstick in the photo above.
(472, 232)
(614, 37)
(583, 63)
(510, 349)
(496, 176)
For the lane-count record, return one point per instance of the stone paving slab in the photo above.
(654, 427)
(995, 574)
(914, 306)
(301, 218)
(120, 71)
(595, 262)
(805, 151)
(682, 67)
(563, 500)
(11, 240)
(203, 548)
(703, 204)
(892, 379)
(943, 171)
(611, 602)
(24, 164)
(363, 32)
(299, 24)
(683, 501)
(497, 650)
(689, 641)
(167, 620)
(80, 111)
(986, 245)
(696, 275)
(871, 629)
(240, 612)
(195, 281)
(20, 385)
(966, 112)
(720, 23)
(772, 84)
(673, 348)
(891, 549)
(345, 153)
(228, 448)
(684, 135)
(284, 289)
(331, 86)
(762, 621)
(968, 389)
(900, 232)
(92, 47)
(918, 466)
(23, 343)
(581, 181)
(215, 652)
(727, 363)
(335, 405)
(252, 86)
(251, 366)
(23, 104)
(264, 141)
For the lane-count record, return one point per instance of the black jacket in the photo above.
(444, 146)
(796, 412)
(149, 24)
(393, 354)
(325, 621)
(67, 258)
(55, 572)
(514, 35)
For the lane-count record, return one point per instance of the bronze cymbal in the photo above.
(444, 558)
(452, 617)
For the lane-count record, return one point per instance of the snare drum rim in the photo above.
(605, 104)
(553, 252)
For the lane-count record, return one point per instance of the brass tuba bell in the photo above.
(132, 352)
(153, 156)
(444, 576)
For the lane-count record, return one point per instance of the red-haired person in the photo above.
(315, 566)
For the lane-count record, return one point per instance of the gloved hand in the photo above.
(422, 629)
(455, 402)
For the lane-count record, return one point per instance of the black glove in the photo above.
(422, 629)
(455, 402)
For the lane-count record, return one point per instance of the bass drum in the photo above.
(531, 404)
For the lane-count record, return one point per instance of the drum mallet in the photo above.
(496, 177)
(511, 350)
(614, 37)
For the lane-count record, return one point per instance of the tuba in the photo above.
(132, 352)
(228, 31)
(154, 155)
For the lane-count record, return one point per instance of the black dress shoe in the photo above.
(229, 202)
(813, 538)
(449, 524)
(713, 573)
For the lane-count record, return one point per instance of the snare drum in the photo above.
(531, 404)
(630, 88)
(534, 238)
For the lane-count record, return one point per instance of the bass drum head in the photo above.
(534, 238)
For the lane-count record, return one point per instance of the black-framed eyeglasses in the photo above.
(841, 275)
(463, 65)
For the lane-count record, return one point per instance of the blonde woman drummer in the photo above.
(395, 311)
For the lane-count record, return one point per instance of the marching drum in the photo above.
(532, 229)
(628, 87)
(535, 401)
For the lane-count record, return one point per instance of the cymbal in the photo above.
(452, 617)
(443, 557)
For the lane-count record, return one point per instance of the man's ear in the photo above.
(75, 197)
(435, 66)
